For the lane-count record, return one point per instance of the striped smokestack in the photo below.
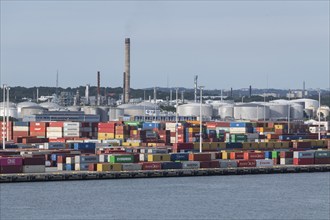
(127, 75)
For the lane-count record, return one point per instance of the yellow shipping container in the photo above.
(159, 157)
(127, 144)
(279, 127)
(115, 167)
(214, 145)
(103, 167)
(225, 155)
(135, 144)
(190, 130)
(196, 146)
(134, 132)
(105, 136)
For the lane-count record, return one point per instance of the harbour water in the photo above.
(273, 196)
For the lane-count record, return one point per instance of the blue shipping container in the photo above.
(234, 145)
(150, 125)
(69, 166)
(240, 124)
(171, 165)
(84, 146)
(180, 156)
(21, 123)
(268, 155)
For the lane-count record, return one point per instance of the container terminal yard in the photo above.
(135, 138)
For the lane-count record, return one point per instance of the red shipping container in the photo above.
(246, 163)
(34, 161)
(92, 167)
(285, 154)
(236, 155)
(39, 124)
(254, 156)
(182, 146)
(200, 157)
(11, 161)
(322, 161)
(151, 166)
(303, 161)
(20, 133)
(106, 130)
(56, 124)
(302, 144)
(214, 164)
(204, 164)
(11, 169)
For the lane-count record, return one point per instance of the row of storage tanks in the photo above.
(274, 110)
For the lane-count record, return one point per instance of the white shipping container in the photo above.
(143, 157)
(92, 141)
(264, 163)
(286, 161)
(61, 166)
(69, 160)
(54, 129)
(172, 140)
(190, 164)
(213, 155)
(34, 169)
(237, 130)
(48, 163)
(303, 154)
(20, 128)
(115, 141)
(71, 129)
(71, 134)
(71, 124)
(103, 158)
(54, 134)
(131, 166)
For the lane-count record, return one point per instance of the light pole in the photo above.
(319, 136)
(176, 115)
(3, 117)
(200, 118)
(289, 108)
(7, 123)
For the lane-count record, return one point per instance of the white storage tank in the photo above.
(296, 111)
(25, 105)
(115, 113)
(325, 111)
(251, 111)
(193, 109)
(32, 110)
(278, 111)
(51, 106)
(12, 112)
(226, 111)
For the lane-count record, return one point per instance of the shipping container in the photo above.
(246, 163)
(200, 157)
(286, 161)
(151, 166)
(159, 157)
(34, 168)
(81, 166)
(254, 155)
(190, 164)
(11, 169)
(121, 158)
(303, 161)
(264, 163)
(11, 161)
(171, 165)
(131, 166)
(179, 157)
(103, 167)
(86, 159)
(227, 163)
(304, 154)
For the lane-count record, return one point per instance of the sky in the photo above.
(228, 44)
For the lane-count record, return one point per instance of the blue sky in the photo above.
(228, 44)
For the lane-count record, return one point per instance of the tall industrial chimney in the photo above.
(98, 88)
(250, 91)
(127, 74)
(87, 94)
(195, 85)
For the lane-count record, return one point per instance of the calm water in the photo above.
(279, 196)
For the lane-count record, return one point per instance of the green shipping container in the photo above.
(275, 154)
(121, 158)
(133, 123)
(322, 154)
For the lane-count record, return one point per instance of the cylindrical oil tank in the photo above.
(307, 103)
(139, 110)
(94, 110)
(251, 111)
(217, 104)
(226, 111)
(104, 113)
(12, 111)
(296, 111)
(24, 105)
(278, 111)
(193, 109)
(115, 113)
(32, 110)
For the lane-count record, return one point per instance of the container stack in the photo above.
(10, 129)
(71, 129)
(240, 127)
(35, 164)
(322, 157)
(38, 129)
(55, 130)
(303, 157)
(82, 162)
(11, 165)
(122, 132)
(106, 131)
(20, 129)
(286, 157)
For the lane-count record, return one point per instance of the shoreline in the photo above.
(94, 175)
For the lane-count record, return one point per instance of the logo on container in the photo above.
(11, 161)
